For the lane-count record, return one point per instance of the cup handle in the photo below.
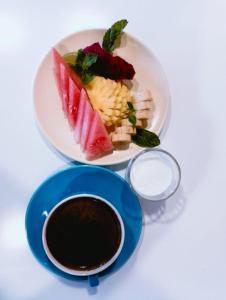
(93, 280)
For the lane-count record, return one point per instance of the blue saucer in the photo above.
(78, 180)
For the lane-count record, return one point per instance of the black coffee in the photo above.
(83, 233)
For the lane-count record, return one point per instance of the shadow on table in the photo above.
(119, 167)
(80, 284)
(55, 151)
(164, 211)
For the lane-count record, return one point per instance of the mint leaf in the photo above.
(112, 34)
(89, 60)
(83, 64)
(80, 57)
(130, 106)
(145, 138)
(132, 118)
(86, 77)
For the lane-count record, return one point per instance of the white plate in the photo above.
(50, 117)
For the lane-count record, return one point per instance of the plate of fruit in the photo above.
(100, 96)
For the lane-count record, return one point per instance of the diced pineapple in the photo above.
(110, 98)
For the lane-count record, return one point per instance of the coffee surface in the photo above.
(83, 233)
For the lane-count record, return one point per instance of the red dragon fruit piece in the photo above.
(113, 67)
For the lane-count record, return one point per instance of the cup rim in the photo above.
(77, 272)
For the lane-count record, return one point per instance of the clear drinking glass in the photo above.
(152, 170)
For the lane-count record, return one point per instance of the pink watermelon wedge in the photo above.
(56, 69)
(80, 115)
(64, 88)
(89, 129)
(99, 142)
(87, 123)
(74, 96)
(57, 60)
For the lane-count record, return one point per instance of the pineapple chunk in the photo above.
(110, 99)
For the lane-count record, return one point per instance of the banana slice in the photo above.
(120, 138)
(126, 122)
(125, 129)
(141, 95)
(143, 114)
(147, 104)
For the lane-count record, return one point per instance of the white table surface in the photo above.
(182, 254)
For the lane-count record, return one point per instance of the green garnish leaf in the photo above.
(83, 64)
(80, 57)
(145, 138)
(89, 60)
(130, 106)
(86, 77)
(132, 118)
(113, 34)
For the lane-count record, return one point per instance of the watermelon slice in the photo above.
(99, 142)
(80, 116)
(74, 96)
(57, 60)
(87, 121)
(64, 88)
(75, 78)
(56, 69)
(87, 124)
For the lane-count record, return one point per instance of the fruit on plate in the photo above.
(74, 97)
(64, 79)
(57, 61)
(143, 114)
(126, 129)
(139, 112)
(99, 142)
(63, 72)
(86, 124)
(126, 122)
(146, 104)
(109, 98)
(80, 116)
(141, 95)
(100, 108)
(121, 138)
(109, 66)
(88, 128)
(56, 58)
